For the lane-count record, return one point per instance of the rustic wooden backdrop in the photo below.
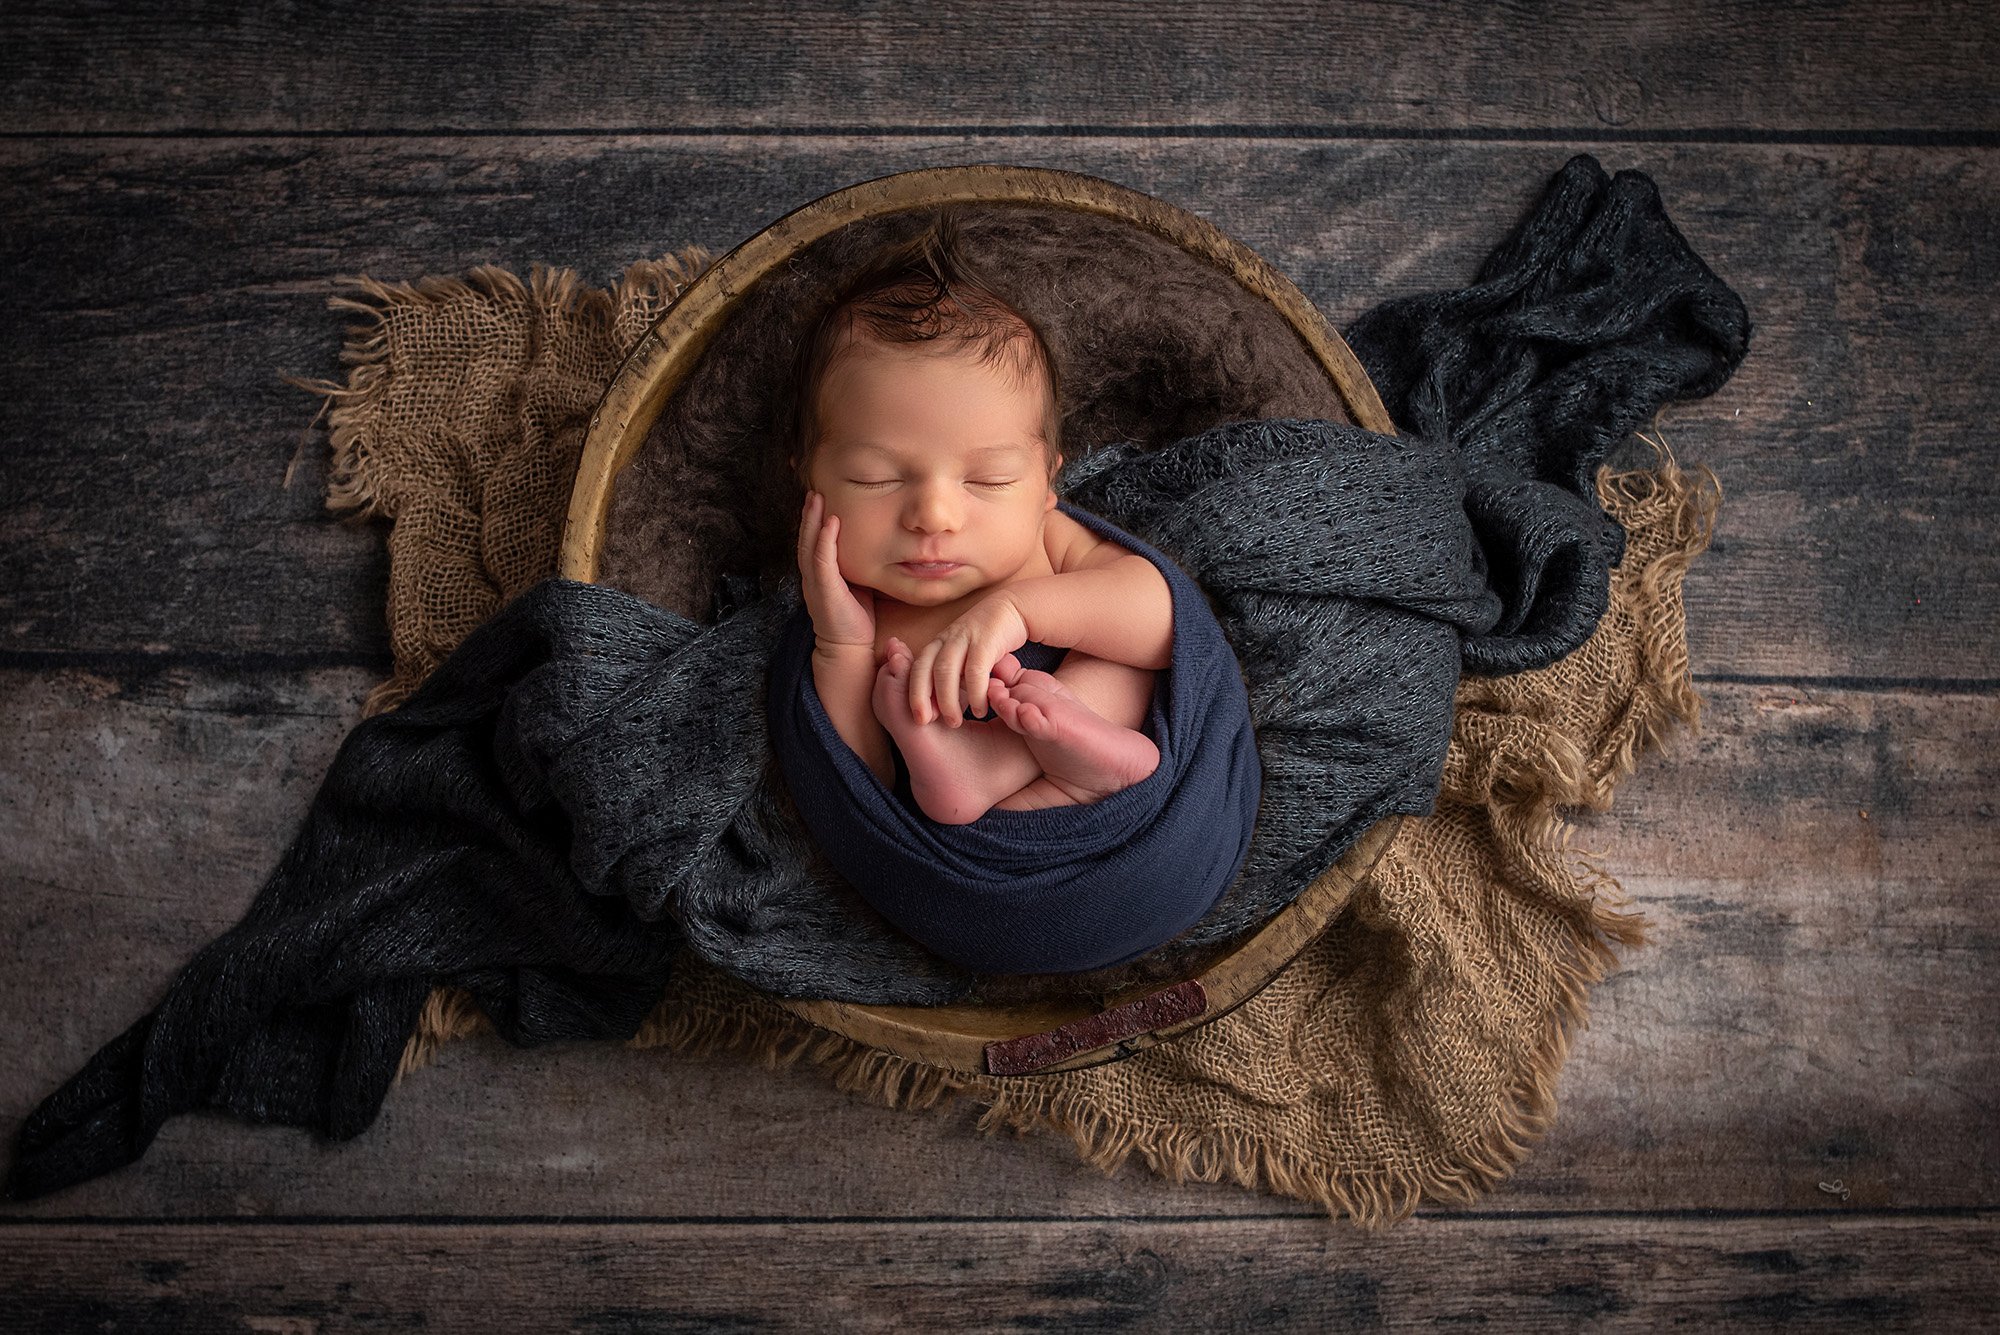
(1785, 1110)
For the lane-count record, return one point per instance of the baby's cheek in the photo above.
(857, 572)
(845, 563)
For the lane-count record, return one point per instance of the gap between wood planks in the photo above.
(1554, 134)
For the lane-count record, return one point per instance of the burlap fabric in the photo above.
(1410, 1053)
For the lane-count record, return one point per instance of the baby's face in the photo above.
(927, 456)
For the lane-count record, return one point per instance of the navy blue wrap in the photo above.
(1061, 889)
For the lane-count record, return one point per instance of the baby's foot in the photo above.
(942, 763)
(1081, 752)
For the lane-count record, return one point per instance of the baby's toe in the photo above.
(891, 702)
(1037, 680)
(1030, 719)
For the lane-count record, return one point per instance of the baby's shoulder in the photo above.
(1071, 546)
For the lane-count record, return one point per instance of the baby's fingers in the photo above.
(809, 525)
(819, 546)
(947, 671)
(827, 551)
(826, 576)
(974, 678)
(922, 706)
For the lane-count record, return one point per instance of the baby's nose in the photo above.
(933, 508)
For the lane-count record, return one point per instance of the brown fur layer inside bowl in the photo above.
(1155, 345)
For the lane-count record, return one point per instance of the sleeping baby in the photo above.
(1017, 729)
(961, 621)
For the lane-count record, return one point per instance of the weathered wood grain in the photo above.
(1819, 868)
(1857, 534)
(1811, 1272)
(1816, 1004)
(1656, 67)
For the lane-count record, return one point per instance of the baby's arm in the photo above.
(843, 621)
(1122, 611)
(1112, 605)
(844, 676)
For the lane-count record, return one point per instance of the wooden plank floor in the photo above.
(188, 636)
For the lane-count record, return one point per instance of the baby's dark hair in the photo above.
(924, 289)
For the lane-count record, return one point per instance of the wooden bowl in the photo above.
(1028, 1037)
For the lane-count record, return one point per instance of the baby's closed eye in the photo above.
(977, 482)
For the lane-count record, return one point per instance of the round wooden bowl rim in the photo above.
(955, 1036)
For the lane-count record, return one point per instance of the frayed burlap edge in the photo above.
(361, 486)
(717, 1015)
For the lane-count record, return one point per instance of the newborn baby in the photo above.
(926, 432)
(1083, 774)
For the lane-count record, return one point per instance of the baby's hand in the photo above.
(952, 671)
(840, 615)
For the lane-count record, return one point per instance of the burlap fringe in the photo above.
(1373, 1200)
(360, 487)
(356, 490)
(1686, 504)
(1682, 505)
